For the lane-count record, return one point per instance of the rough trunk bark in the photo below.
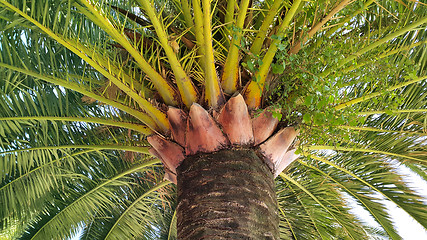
(227, 194)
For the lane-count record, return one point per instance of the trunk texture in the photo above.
(229, 194)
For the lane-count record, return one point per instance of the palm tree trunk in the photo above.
(227, 194)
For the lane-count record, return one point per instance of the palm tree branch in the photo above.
(172, 222)
(348, 18)
(364, 182)
(255, 88)
(307, 212)
(162, 86)
(293, 181)
(186, 12)
(372, 129)
(265, 26)
(130, 207)
(143, 117)
(113, 68)
(122, 174)
(375, 44)
(79, 50)
(287, 222)
(185, 85)
(198, 26)
(383, 55)
(213, 92)
(397, 111)
(385, 223)
(110, 122)
(25, 175)
(230, 75)
(297, 45)
(418, 170)
(156, 114)
(228, 21)
(138, 149)
(376, 94)
(365, 150)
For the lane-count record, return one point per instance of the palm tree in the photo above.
(268, 116)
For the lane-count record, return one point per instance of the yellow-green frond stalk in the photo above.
(186, 11)
(198, 26)
(162, 86)
(186, 88)
(265, 26)
(230, 75)
(253, 92)
(213, 93)
(315, 28)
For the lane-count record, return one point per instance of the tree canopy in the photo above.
(84, 82)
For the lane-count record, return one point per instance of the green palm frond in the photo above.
(305, 223)
(88, 199)
(362, 196)
(139, 213)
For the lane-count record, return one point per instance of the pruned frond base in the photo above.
(232, 128)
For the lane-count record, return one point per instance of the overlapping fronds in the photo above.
(83, 82)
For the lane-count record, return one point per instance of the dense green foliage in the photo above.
(77, 102)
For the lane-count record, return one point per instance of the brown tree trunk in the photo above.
(227, 194)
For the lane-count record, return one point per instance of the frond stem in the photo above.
(76, 87)
(229, 19)
(394, 111)
(187, 14)
(297, 45)
(384, 55)
(266, 24)
(387, 38)
(185, 85)
(128, 125)
(137, 149)
(213, 93)
(364, 150)
(198, 24)
(230, 75)
(255, 88)
(376, 94)
(371, 129)
(171, 225)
